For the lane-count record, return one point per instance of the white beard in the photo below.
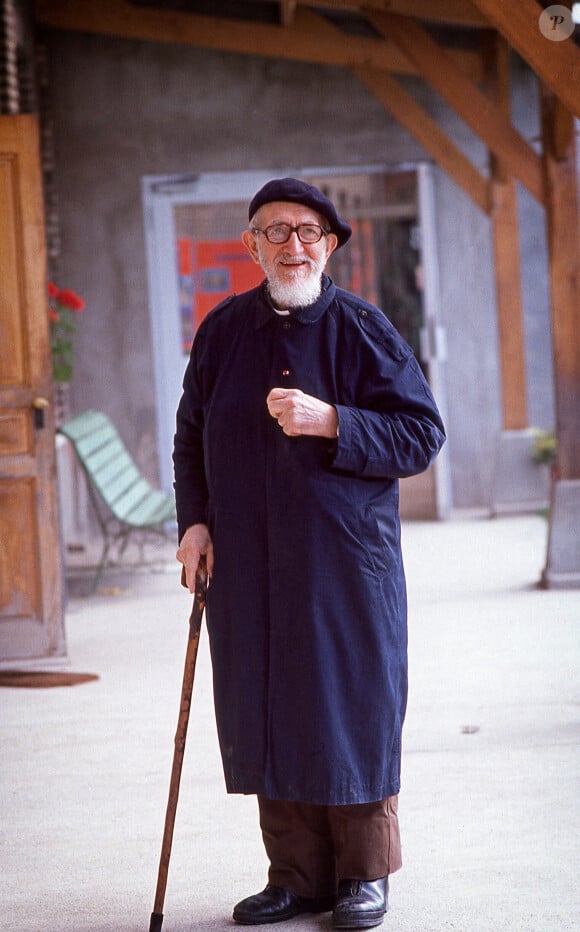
(301, 289)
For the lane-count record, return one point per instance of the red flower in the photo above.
(71, 300)
(62, 304)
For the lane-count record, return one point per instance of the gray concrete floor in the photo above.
(489, 806)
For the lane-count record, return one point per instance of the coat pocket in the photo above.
(382, 539)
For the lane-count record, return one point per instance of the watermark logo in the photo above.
(556, 23)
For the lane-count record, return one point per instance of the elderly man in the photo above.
(301, 409)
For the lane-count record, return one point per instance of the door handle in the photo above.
(39, 405)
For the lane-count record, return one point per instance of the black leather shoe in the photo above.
(275, 904)
(361, 904)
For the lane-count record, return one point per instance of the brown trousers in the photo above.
(311, 848)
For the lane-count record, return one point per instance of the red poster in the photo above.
(209, 272)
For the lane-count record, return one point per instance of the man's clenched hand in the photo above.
(298, 413)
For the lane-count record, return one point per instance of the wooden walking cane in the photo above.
(180, 736)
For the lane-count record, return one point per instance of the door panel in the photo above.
(31, 604)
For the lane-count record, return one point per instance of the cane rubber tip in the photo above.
(156, 922)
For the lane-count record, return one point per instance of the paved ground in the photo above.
(489, 808)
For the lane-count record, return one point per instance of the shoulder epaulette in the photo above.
(376, 324)
(224, 303)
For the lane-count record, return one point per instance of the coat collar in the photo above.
(265, 313)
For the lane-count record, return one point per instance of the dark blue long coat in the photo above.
(306, 610)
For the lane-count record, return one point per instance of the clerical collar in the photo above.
(308, 314)
(283, 312)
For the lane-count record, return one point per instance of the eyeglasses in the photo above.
(279, 233)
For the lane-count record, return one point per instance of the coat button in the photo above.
(286, 325)
(285, 373)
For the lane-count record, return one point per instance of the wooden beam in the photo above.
(564, 257)
(505, 234)
(287, 12)
(557, 64)
(301, 41)
(412, 116)
(507, 266)
(454, 12)
(463, 95)
(433, 139)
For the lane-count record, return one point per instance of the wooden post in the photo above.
(562, 568)
(564, 272)
(505, 229)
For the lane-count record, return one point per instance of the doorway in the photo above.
(195, 259)
(31, 589)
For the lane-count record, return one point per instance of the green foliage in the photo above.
(544, 449)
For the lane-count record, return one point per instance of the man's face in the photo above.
(293, 269)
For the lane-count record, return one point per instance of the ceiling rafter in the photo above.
(305, 39)
(474, 107)
(454, 12)
(425, 130)
(287, 11)
(305, 35)
(557, 64)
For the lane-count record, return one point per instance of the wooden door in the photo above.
(31, 603)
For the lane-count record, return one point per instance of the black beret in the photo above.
(298, 192)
